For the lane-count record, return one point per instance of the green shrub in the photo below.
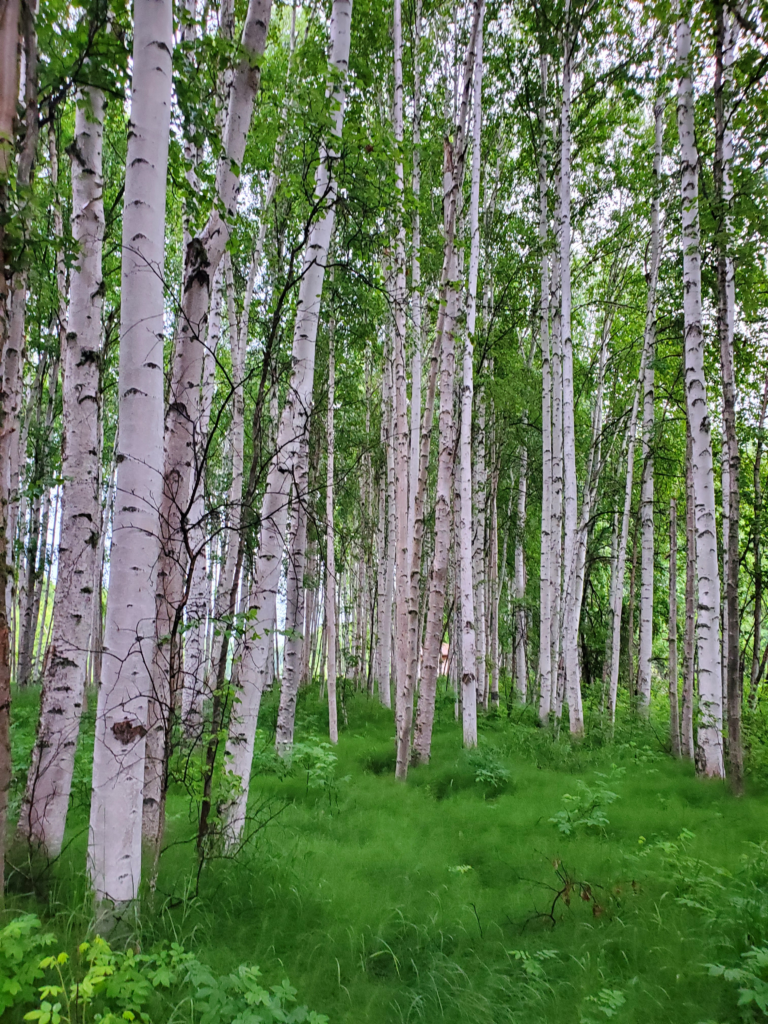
(106, 985)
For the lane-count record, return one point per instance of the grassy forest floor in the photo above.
(530, 881)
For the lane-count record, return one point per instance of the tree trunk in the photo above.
(757, 552)
(404, 681)
(710, 741)
(198, 602)
(114, 851)
(182, 430)
(292, 434)
(521, 662)
(727, 35)
(674, 710)
(570, 637)
(294, 629)
(43, 815)
(545, 571)
(470, 683)
(621, 562)
(645, 650)
(330, 550)
(689, 638)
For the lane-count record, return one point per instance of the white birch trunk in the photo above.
(479, 483)
(710, 740)
(621, 562)
(121, 722)
(404, 681)
(294, 627)
(646, 497)
(470, 684)
(182, 430)
(453, 175)
(545, 587)
(570, 639)
(330, 552)
(44, 812)
(521, 662)
(292, 432)
(198, 602)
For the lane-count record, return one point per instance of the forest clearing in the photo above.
(383, 395)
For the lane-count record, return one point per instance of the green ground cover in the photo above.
(529, 881)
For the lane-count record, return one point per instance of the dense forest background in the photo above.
(382, 420)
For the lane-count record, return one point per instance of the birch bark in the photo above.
(545, 571)
(727, 37)
(404, 682)
(114, 849)
(569, 641)
(9, 89)
(621, 561)
(645, 648)
(469, 682)
(182, 429)
(44, 811)
(689, 637)
(674, 708)
(453, 175)
(292, 430)
(710, 742)
(330, 553)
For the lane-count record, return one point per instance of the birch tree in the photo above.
(114, 846)
(646, 496)
(182, 431)
(292, 430)
(46, 800)
(709, 736)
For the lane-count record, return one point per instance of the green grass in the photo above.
(432, 901)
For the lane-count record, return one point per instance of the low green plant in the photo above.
(607, 1002)
(317, 759)
(751, 977)
(107, 986)
(489, 770)
(21, 942)
(585, 809)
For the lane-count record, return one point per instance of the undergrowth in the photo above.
(532, 880)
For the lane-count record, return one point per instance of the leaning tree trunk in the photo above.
(182, 433)
(646, 495)
(710, 740)
(44, 812)
(114, 850)
(293, 429)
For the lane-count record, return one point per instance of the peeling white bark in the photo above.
(646, 497)
(121, 721)
(710, 740)
(44, 812)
